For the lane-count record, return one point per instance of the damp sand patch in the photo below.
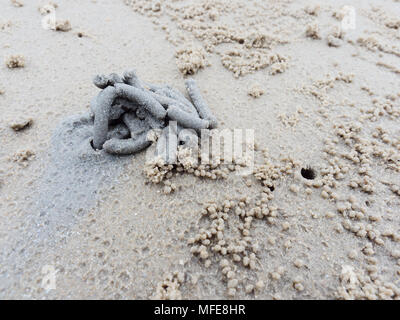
(74, 175)
(73, 180)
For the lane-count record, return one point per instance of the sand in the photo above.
(317, 218)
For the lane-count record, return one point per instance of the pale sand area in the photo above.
(335, 109)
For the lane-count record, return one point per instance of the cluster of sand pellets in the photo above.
(15, 61)
(130, 114)
(219, 22)
(4, 26)
(190, 59)
(352, 154)
(374, 45)
(226, 233)
(355, 284)
(313, 31)
(232, 251)
(383, 18)
(336, 36)
(168, 289)
(255, 91)
(194, 160)
(247, 37)
(351, 181)
(320, 90)
(23, 156)
(188, 160)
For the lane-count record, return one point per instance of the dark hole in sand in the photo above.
(91, 144)
(272, 188)
(308, 173)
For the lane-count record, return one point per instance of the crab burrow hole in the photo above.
(308, 173)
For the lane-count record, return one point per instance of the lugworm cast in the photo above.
(135, 125)
(105, 100)
(198, 101)
(127, 146)
(187, 120)
(143, 98)
(119, 131)
(132, 79)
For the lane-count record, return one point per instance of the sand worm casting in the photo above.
(126, 110)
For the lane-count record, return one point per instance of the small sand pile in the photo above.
(17, 3)
(335, 37)
(313, 10)
(23, 157)
(321, 223)
(226, 235)
(355, 284)
(5, 25)
(313, 32)
(15, 61)
(193, 159)
(21, 124)
(168, 289)
(190, 59)
(373, 44)
(256, 91)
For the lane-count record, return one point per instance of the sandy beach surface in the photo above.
(318, 217)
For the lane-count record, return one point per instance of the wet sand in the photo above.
(319, 99)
